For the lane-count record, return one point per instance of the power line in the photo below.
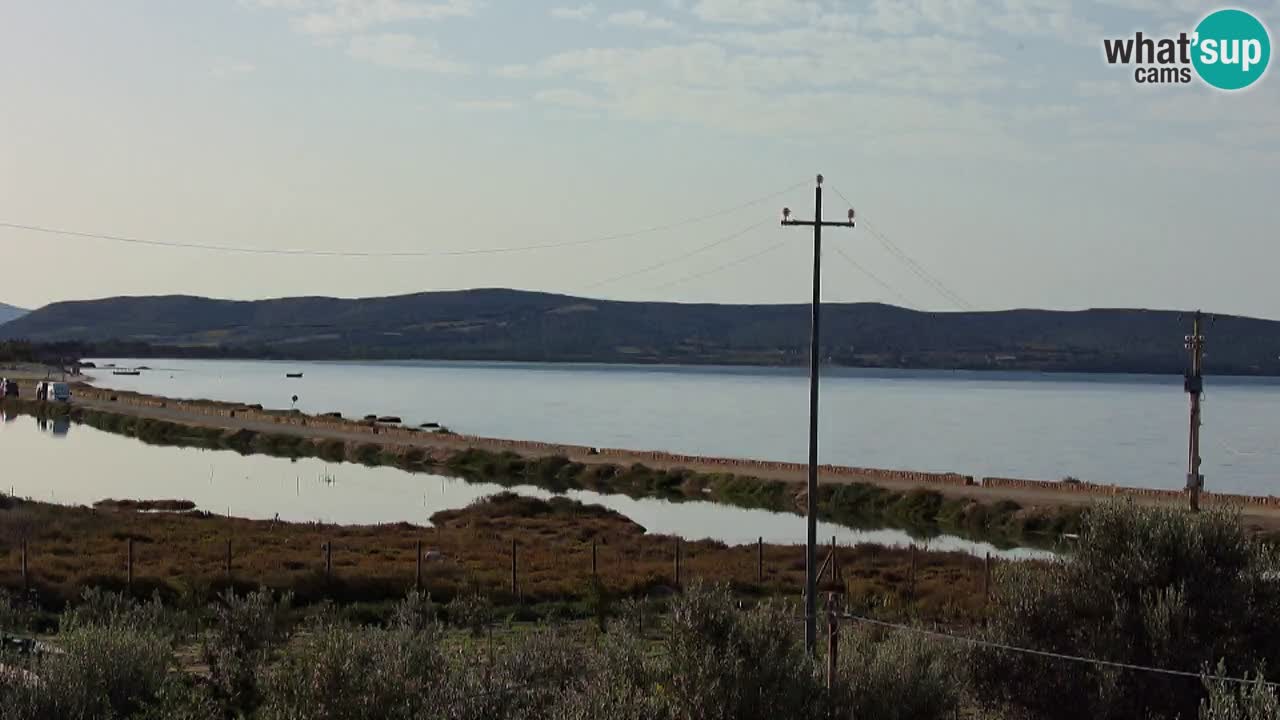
(915, 267)
(1056, 656)
(678, 258)
(392, 254)
(888, 288)
(718, 268)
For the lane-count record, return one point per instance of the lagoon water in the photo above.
(76, 464)
(1121, 429)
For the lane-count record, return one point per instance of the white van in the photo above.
(53, 391)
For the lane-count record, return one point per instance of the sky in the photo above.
(992, 156)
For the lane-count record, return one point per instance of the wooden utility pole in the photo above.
(417, 567)
(1194, 385)
(811, 510)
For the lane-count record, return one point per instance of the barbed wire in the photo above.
(1053, 655)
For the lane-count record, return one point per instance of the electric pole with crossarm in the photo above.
(811, 510)
(1194, 385)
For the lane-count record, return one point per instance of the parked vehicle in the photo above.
(47, 391)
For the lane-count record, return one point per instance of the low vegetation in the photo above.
(181, 558)
(1149, 590)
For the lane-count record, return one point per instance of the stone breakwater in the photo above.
(400, 438)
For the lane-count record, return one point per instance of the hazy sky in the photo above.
(987, 139)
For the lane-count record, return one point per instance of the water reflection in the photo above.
(92, 465)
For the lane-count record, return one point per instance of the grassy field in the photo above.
(182, 556)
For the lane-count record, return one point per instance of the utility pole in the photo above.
(1194, 385)
(811, 511)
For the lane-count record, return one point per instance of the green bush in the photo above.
(1235, 701)
(1149, 586)
(737, 665)
(237, 646)
(340, 672)
(897, 676)
(100, 671)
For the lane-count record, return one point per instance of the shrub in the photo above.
(102, 608)
(725, 663)
(897, 676)
(1148, 586)
(472, 612)
(338, 672)
(101, 671)
(1235, 701)
(237, 645)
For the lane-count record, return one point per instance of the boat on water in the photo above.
(126, 372)
(293, 375)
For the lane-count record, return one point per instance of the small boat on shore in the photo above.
(293, 375)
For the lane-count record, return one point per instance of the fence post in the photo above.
(128, 566)
(417, 568)
(835, 563)
(228, 560)
(594, 578)
(986, 578)
(515, 588)
(759, 560)
(25, 582)
(677, 567)
(911, 576)
(833, 640)
(328, 561)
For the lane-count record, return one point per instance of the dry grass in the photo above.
(182, 556)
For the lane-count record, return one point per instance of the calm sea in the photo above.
(1123, 429)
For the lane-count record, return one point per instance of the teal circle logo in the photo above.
(1231, 49)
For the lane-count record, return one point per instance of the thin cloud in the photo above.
(227, 67)
(639, 19)
(406, 52)
(581, 12)
(491, 105)
(338, 17)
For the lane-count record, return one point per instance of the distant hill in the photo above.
(9, 312)
(517, 325)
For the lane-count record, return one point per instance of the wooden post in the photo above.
(835, 563)
(228, 560)
(417, 570)
(911, 576)
(515, 588)
(677, 567)
(986, 578)
(833, 640)
(128, 566)
(593, 561)
(759, 560)
(25, 581)
(328, 561)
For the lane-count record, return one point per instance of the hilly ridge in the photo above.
(497, 324)
(9, 312)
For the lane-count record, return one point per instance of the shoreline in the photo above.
(773, 485)
(231, 416)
